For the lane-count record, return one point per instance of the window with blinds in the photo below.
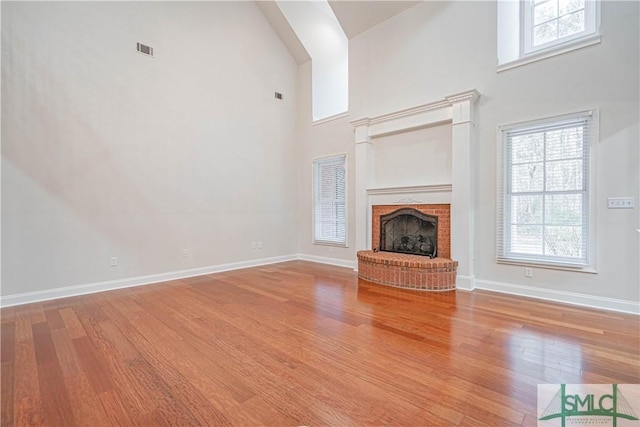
(544, 194)
(330, 201)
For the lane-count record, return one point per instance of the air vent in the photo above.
(144, 49)
(278, 95)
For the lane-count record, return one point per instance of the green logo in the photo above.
(565, 406)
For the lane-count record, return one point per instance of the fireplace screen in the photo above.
(409, 231)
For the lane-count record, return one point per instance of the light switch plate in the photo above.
(621, 203)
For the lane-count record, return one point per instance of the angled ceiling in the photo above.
(354, 16)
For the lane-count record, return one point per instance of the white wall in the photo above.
(108, 153)
(320, 140)
(440, 48)
(419, 157)
(319, 31)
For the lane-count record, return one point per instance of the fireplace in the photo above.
(411, 248)
(409, 231)
(437, 230)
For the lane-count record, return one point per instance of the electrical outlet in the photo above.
(620, 203)
(185, 253)
(259, 245)
(528, 272)
(253, 245)
(113, 261)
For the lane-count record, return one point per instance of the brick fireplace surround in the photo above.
(410, 271)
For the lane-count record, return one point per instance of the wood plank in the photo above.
(7, 359)
(55, 399)
(28, 408)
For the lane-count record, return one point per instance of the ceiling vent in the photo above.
(144, 49)
(278, 95)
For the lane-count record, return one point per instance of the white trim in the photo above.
(425, 115)
(331, 261)
(410, 189)
(551, 52)
(584, 300)
(90, 288)
(330, 118)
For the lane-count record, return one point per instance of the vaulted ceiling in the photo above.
(355, 17)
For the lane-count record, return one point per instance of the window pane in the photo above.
(526, 209)
(544, 12)
(545, 33)
(563, 209)
(526, 239)
(527, 148)
(571, 24)
(565, 143)
(527, 177)
(564, 175)
(563, 241)
(568, 6)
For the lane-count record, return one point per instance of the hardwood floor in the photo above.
(296, 344)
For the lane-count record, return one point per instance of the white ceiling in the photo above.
(355, 17)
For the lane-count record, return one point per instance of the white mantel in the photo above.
(456, 110)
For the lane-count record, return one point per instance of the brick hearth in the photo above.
(407, 271)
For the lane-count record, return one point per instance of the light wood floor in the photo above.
(296, 344)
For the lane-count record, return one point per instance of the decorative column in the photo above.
(462, 191)
(363, 181)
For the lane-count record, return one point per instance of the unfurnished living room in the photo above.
(320, 213)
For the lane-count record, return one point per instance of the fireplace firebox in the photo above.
(409, 231)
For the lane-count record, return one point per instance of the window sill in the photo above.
(550, 52)
(330, 118)
(335, 245)
(565, 267)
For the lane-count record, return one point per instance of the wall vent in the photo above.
(144, 49)
(278, 95)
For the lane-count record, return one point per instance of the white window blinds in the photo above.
(543, 201)
(329, 200)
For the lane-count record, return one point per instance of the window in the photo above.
(548, 23)
(530, 30)
(329, 201)
(545, 194)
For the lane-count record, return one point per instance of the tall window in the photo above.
(547, 23)
(544, 196)
(329, 200)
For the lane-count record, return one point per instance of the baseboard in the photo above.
(331, 261)
(467, 283)
(603, 303)
(70, 291)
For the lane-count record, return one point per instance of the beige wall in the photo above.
(108, 153)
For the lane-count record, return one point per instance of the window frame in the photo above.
(504, 255)
(318, 162)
